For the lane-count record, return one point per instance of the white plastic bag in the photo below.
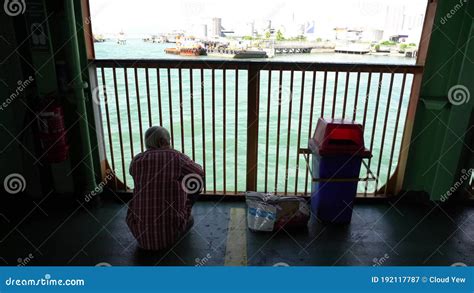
(268, 212)
(260, 216)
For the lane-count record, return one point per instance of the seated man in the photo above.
(160, 210)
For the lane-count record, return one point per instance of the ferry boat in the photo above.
(192, 51)
(174, 51)
(186, 51)
(237, 50)
(237, 53)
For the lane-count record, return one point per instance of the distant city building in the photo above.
(250, 29)
(216, 27)
(269, 25)
(398, 38)
(373, 35)
(309, 27)
(204, 31)
(399, 22)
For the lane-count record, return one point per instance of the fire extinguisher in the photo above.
(52, 132)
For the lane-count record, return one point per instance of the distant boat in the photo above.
(98, 39)
(237, 53)
(224, 50)
(121, 40)
(174, 51)
(192, 51)
(186, 51)
(155, 39)
(352, 48)
(413, 53)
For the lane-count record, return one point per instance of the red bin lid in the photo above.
(338, 137)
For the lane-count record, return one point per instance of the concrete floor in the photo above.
(380, 234)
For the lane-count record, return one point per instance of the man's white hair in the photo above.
(157, 137)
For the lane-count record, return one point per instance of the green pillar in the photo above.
(439, 147)
(74, 60)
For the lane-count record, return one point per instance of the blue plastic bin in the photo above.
(337, 151)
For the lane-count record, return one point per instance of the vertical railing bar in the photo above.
(158, 82)
(119, 123)
(127, 96)
(310, 126)
(203, 125)
(150, 123)
(387, 108)
(224, 87)
(345, 95)
(253, 108)
(334, 99)
(324, 94)
(374, 126)
(402, 92)
(170, 104)
(107, 113)
(214, 128)
(268, 128)
(367, 96)
(366, 106)
(236, 125)
(299, 132)
(137, 90)
(181, 118)
(192, 111)
(356, 98)
(289, 130)
(278, 130)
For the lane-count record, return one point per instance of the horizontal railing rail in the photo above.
(246, 121)
(257, 64)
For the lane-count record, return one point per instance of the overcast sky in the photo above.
(144, 17)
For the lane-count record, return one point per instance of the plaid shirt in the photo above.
(159, 211)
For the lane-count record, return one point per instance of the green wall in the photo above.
(21, 154)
